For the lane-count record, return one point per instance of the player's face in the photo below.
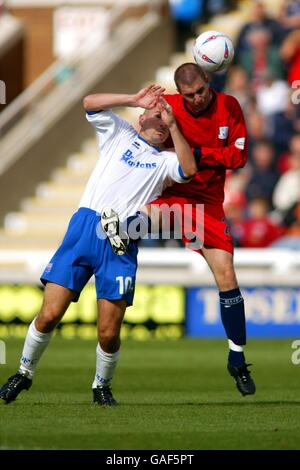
(153, 128)
(197, 94)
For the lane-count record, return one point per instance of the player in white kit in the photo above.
(131, 172)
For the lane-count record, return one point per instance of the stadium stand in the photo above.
(48, 196)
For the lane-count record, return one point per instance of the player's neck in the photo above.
(148, 141)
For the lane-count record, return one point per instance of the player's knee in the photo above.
(109, 340)
(48, 319)
(227, 279)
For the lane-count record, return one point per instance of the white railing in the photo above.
(267, 266)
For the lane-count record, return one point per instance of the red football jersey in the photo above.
(219, 137)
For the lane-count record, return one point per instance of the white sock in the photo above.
(105, 366)
(235, 347)
(34, 346)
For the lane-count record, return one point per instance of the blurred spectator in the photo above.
(186, 14)
(287, 190)
(259, 19)
(272, 96)
(234, 208)
(2, 6)
(257, 125)
(237, 85)
(259, 231)
(290, 54)
(261, 58)
(282, 126)
(290, 15)
(291, 238)
(216, 7)
(264, 174)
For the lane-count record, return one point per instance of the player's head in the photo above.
(153, 129)
(192, 83)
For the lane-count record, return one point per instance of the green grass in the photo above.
(172, 395)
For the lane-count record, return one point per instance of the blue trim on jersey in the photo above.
(180, 170)
(141, 138)
(90, 113)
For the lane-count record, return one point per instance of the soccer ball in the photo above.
(213, 51)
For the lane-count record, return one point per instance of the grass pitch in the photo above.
(172, 395)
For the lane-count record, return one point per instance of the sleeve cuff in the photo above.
(186, 178)
(90, 113)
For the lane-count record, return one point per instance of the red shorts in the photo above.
(206, 222)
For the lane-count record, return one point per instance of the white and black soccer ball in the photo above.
(213, 51)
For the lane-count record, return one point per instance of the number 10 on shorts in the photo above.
(125, 284)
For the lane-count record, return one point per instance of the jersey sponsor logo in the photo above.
(240, 143)
(223, 132)
(128, 156)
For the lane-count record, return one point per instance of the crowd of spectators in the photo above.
(262, 200)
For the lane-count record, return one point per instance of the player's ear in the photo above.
(205, 76)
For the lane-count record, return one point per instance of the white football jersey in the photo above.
(130, 172)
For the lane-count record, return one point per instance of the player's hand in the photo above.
(167, 114)
(148, 97)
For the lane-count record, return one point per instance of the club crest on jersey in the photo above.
(223, 132)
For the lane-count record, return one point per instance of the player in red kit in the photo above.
(214, 126)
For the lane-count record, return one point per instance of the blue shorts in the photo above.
(85, 250)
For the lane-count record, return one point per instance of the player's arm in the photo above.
(145, 98)
(182, 149)
(234, 154)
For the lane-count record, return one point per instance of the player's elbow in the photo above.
(87, 102)
(190, 171)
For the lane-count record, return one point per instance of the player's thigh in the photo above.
(115, 275)
(56, 301)
(110, 316)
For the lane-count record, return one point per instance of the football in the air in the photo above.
(213, 51)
